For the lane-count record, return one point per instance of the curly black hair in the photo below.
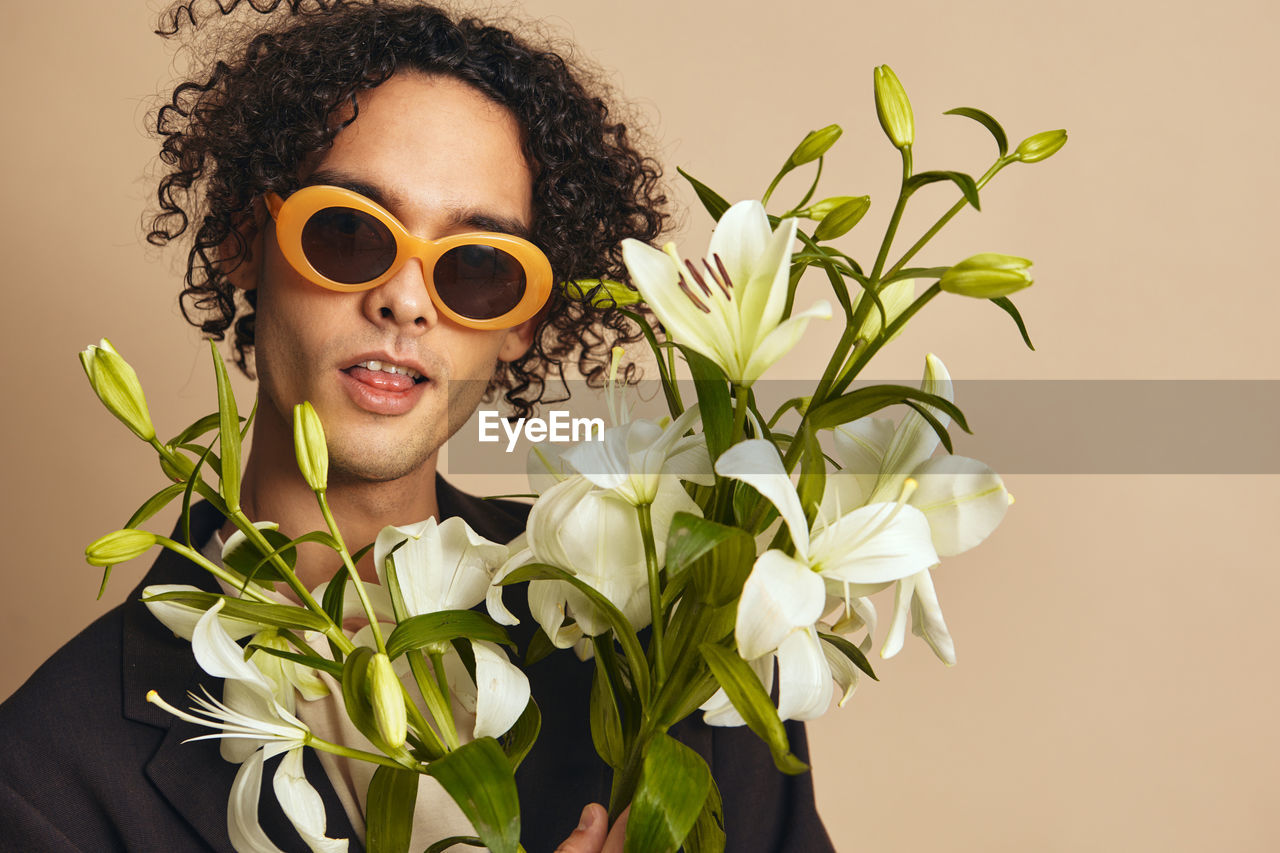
(252, 123)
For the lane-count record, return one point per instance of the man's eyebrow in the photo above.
(469, 217)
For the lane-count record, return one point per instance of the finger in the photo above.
(617, 839)
(589, 837)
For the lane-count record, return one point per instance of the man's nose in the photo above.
(403, 302)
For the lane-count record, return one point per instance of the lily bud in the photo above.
(893, 108)
(118, 547)
(820, 209)
(606, 293)
(987, 276)
(814, 145)
(841, 220)
(178, 469)
(1040, 146)
(117, 386)
(309, 446)
(388, 701)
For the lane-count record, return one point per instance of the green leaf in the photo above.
(606, 721)
(332, 603)
(714, 405)
(246, 559)
(711, 200)
(753, 703)
(539, 647)
(155, 503)
(813, 471)
(1007, 304)
(313, 661)
(852, 652)
(674, 784)
(865, 401)
(708, 829)
(445, 843)
(196, 430)
(428, 629)
(621, 625)
(520, 738)
(719, 557)
(276, 615)
(752, 512)
(481, 781)
(393, 793)
(968, 186)
(228, 433)
(984, 119)
(938, 428)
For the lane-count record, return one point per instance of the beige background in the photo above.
(1116, 685)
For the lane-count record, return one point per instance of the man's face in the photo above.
(443, 160)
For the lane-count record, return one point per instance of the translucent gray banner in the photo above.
(1019, 426)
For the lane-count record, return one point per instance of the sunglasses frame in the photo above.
(292, 214)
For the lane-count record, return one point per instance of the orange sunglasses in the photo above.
(343, 241)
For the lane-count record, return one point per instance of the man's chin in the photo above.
(370, 464)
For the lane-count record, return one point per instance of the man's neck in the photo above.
(272, 489)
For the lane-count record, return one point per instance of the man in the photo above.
(427, 129)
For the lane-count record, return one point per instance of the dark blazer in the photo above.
(87, 764)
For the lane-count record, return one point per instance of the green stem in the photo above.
(627, 779)
(655, 591)
(948, 216)
(359, 754)
(217, 571)
(873, 283)
(351, 570)
(855, 365)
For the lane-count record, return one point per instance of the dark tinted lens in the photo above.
(348, 246)
(479, 281)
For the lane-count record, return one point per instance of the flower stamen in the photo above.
(725, 282)
(697, 277)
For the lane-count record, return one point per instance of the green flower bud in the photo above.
(814, 145)
(1040, 146)
(843, 218)
(893, 108)
(387, 699)
(118, 547)
(117, 386)
(987, 276)
(309, 446)
(819, 209)
(607, 293)
(178, 469)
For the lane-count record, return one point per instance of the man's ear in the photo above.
(249, 233)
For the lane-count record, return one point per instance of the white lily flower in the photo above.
(442, 565)
(962, 499)
(448, 566)
(730, 308)
(634, 457)
(253, 726)
(785, 596)
(595, 534)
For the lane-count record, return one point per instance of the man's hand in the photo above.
(589, 837)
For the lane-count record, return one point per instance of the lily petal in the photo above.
(756, 463)
(842, 670)
(502, 691)
(879, 542)
(181, 619)
(927, 622)
(655, 276)
(246, 833)
(915, 439)
(780, 595)
(963, 499)
(303, 806)
(782, 339)
(804, 677)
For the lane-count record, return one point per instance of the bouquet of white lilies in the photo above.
(747, 543)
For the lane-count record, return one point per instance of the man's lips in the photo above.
(377, 390)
